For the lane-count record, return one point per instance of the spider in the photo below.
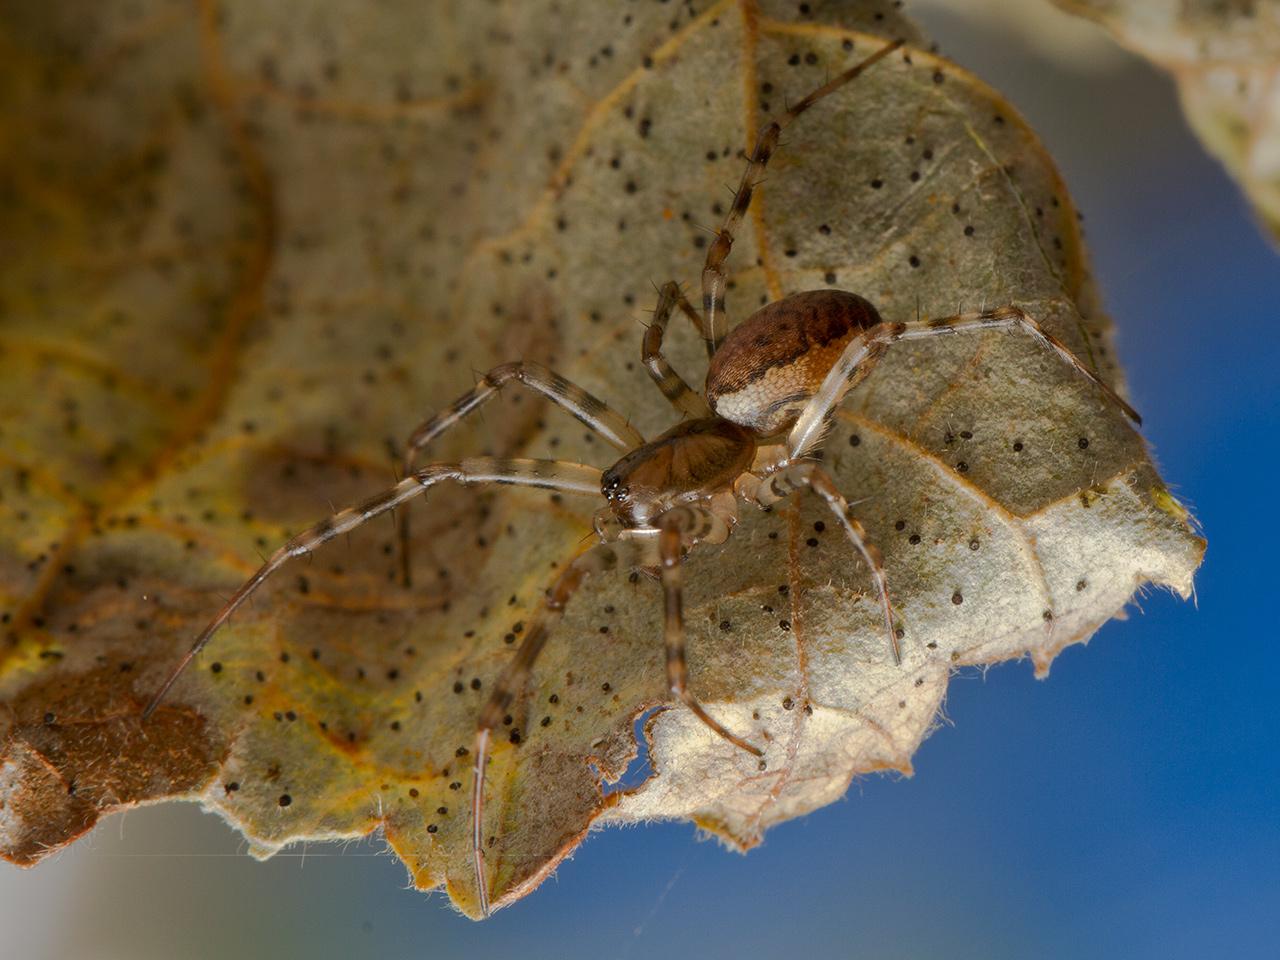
(753, 434)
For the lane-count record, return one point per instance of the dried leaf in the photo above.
(1224, 57)
(247, 250)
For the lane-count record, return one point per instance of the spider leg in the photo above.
(681, 396)
(548, 474)
(697, 320)
(598, 559)
(716, 322)
(692, 523)
(808, 473)
(589, 410)
(862, 354)
(671, 539)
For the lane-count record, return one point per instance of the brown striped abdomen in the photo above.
(771, 364)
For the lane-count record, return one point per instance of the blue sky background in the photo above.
(1126, 807)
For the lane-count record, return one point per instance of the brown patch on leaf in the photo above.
(73, 748)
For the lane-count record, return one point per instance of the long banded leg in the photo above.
(588, 409)
(599, 559)
(703, 523)
(862, 354)
(548, 474)
(809, 474)
(697, 320)
(671, 539)
(716, 322)
(683, 397)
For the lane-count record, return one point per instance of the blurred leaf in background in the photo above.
(1225, 57)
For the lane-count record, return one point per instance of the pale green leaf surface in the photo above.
(246, 251)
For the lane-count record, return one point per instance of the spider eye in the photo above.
(612, 488)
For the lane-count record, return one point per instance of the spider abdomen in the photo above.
(773, 362)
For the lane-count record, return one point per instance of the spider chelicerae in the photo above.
(773, 385)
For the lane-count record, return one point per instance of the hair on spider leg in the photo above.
(703, 227)
(752, 435)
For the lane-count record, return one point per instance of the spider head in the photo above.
(612, 487)
(617, 490)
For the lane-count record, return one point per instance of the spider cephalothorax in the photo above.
(751, 436)
(690, 462)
